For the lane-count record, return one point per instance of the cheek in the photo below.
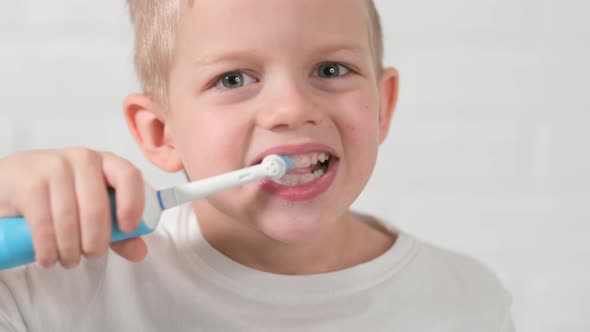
(358, 120)
(359, 130)
(209, 144)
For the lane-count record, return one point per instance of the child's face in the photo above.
(253, 77)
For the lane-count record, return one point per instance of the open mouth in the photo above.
(307, 168)
(313, 173)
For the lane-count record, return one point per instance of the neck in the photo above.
(349, 242)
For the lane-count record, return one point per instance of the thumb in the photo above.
(133, 250)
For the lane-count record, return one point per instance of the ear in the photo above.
(146, 121)
(388, 90)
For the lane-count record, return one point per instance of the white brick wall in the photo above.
(489, 151)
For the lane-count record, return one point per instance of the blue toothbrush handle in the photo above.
(16, 243)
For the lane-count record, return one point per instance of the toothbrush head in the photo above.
(276, 166)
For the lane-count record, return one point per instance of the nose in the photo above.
(289, 106)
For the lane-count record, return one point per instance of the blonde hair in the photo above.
(155, 23)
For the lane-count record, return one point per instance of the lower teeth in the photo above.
(298, 179)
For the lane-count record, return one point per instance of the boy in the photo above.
(227, 82)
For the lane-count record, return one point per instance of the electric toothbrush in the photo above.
(16, 244)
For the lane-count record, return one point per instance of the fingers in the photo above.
(64, 213)
(40, 223)
(133, 250)
(63, 196)
(93, 203)
(128, 183)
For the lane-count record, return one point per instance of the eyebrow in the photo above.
(333, 48)
(212, 58)
(209, 59)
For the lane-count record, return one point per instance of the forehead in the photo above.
(216, 25)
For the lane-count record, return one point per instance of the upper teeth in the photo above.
(309, 159)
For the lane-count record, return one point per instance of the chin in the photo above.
(293, 229)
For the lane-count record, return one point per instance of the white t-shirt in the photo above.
(185, 284)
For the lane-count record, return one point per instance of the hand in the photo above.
(63, 196)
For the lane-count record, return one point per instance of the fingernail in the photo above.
(47, 264)
(126, 227)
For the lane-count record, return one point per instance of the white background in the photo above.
(488, 154)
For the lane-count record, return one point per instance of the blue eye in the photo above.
(330, 70)
(234, 80)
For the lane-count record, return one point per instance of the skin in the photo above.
(61, 194)
(208, 130)
(284, 102)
